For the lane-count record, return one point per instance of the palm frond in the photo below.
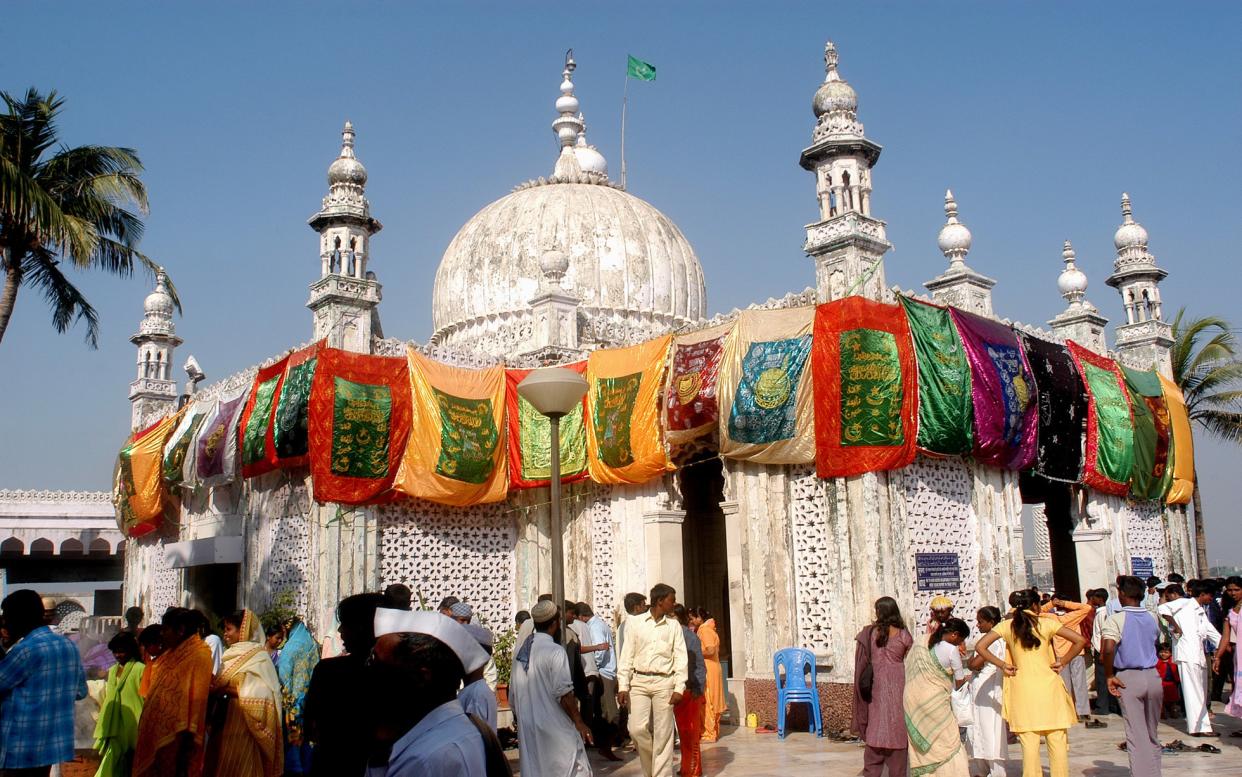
(1224, 425)
(67, 302)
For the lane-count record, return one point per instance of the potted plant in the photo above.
(502, 656)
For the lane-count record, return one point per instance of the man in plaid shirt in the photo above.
(40, 678)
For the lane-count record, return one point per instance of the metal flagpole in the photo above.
(625, 99)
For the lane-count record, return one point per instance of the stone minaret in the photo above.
(959, 285)
(346, 295)
(1080, 321)
(154, 392)
(847, 244)
(1144, 340)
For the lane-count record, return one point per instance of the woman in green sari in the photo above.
(116, 732)
(935, 744)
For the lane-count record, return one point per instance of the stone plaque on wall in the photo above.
(938, 571)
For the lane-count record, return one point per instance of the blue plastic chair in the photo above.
(797, 685)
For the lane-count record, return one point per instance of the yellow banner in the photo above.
(138, 490)
(1183, 485)
(766, 409)
(624, 441)
(456, 454)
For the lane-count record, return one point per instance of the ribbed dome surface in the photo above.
(624, 255)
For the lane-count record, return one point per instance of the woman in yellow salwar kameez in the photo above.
(244, 736)
(935, 744)
(116, 731)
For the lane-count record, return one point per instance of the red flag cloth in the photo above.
(866, 388)
(360, 412)
(530, 437)
(254, 432)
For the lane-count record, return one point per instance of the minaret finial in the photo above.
(1127, 215)
(950, 206)
(1072, 282)
(568, 125)
(954, 238)
(830, 62)
(347, 139)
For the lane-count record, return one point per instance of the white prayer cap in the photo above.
(480, 634)
(543, 612)
(433, 624)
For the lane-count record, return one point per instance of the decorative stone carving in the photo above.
(813, 557)
(941, 519)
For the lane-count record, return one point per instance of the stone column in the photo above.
(662, 532)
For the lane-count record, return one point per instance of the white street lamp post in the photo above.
(555, 392)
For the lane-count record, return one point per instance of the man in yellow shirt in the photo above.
(651, 679)
(1074, 674)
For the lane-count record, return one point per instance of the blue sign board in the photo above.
(1142, 567)
(938, 571)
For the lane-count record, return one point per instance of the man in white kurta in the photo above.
(550, 729)
(1190, 627)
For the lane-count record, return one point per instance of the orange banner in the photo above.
(624, 441)
(138, 491)
(1183, 485)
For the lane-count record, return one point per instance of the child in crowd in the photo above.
(1170, 680)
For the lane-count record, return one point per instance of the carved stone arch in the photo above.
(12, 547)
(72, 547)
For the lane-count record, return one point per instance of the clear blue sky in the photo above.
(1037, 116)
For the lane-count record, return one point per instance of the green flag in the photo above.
(636, 68)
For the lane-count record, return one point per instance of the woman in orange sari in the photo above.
(244, 738)
(705, 627)
(174, 716)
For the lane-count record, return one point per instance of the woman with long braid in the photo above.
(1033, 698)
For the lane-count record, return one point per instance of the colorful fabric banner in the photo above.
(138, 492)
(1006, 413)
(215, 448)
(624, 442)
(866, 388)
(287, 444)
(179, 450)
(1153, 435)
(945, 408)
(1062, 408)
(254, 432)
(530, 437)
(456, 452)
(1109, 456)
(690, 407)
(359, 424)
(764, 390)
(1182, 487)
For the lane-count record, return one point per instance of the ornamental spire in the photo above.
(955, 238)
(569, 125)
(1072, 282)
(830, 62)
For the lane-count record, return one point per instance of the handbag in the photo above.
(866, 679)
(963, 703)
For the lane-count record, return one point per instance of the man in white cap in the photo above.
(651, 679)
(477, 697)
(551, 732)
(419, 661)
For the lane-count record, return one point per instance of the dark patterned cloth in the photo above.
(1062, 408)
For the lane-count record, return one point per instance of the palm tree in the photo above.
(1209, 373)
(63, 203)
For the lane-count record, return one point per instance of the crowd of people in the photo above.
(932, 699)
(176, 699)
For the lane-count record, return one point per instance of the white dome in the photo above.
(954, 237)
(159, 300)
(347, 169)
(1130, 235)
(834, 96)
(625, 258)
(1072, 280)
(589, 158)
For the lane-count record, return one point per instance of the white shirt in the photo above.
(479, 699)
(950, 658)
(589, 666)
(444, 743)
(548, 743)
(1190, 618)
(1097, 628)
(217, 653)
(653, 648)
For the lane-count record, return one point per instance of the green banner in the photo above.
(870, 389)
(614, 408)
(536, 439)
(254, 439)
(361, 420)
(1153, 438)
(468, 438)
(946, 412)
(174, 459)
(1114, 454)
(291, 411)
(636, 68)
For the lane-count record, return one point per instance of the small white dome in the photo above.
(1130, 235)
(554, 263)
(1072, 280)
(347, 169)
(567, 103)
(834, 96)
(954, 237)
(158, 301)
(589, 158)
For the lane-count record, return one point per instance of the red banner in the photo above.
(866, 388)
(360, 411)
(254, 433)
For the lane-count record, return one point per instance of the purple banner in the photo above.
(1006, 412)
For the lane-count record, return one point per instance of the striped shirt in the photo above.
(40, 679)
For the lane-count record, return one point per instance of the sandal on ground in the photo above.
(1236, 734)
(1209, 748)
(1093, 723)
(1122, 746)
(1209, 734)
(1177, 745)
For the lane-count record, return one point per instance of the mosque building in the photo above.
(570, 263)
